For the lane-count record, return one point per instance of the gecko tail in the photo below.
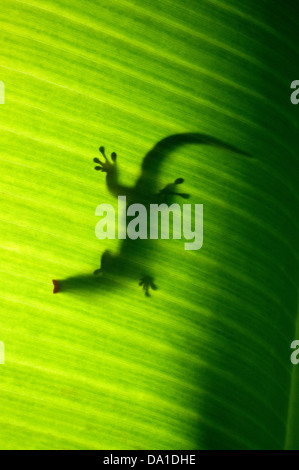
(214, 142)
(169, 143)
(197, 138)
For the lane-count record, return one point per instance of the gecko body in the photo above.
(133, 253)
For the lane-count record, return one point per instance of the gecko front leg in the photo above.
(147, 282)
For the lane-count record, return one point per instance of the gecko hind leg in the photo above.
(170, 190)
(105, 166)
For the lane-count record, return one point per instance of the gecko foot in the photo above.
(105, 166)
(147, 282)
(169, 190)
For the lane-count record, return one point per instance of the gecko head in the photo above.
(105, 166)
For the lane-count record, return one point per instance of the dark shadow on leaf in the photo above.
(135, 254)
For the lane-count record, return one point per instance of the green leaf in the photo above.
(204, 362)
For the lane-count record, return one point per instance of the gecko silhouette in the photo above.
(132, 255)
